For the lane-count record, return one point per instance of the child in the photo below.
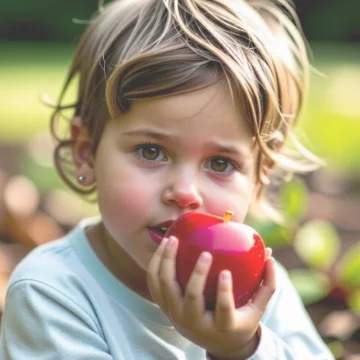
(182, 105)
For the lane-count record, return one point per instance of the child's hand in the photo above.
(228, 333)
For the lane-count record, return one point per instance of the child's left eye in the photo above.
(220, 165)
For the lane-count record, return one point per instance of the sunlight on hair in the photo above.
(184, 45)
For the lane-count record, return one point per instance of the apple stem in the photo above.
(228, 215)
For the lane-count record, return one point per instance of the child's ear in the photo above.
(81, 152)
(81, 148)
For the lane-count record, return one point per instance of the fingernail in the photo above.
(164, 241)
(225, 275)
(268, 252)
(170, 243)
(205, 258)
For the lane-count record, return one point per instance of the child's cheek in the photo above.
(126, 201)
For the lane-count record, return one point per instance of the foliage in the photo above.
(328, 122)
(342, 275)
(318, 245)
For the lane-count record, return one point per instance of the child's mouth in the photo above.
(161, 229)
(157, 232)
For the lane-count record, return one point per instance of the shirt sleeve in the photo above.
(287, 332)
(41, 323)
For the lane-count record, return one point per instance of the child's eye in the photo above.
(220, 165)
(151, 152)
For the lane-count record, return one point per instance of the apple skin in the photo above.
(235, 247)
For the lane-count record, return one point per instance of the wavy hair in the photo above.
(141, 49)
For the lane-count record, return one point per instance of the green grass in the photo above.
(28, 72)
(330, 120)
(331, 117)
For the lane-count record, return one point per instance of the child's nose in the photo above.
(184, 194)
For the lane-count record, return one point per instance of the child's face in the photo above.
(169, 156)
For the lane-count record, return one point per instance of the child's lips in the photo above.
(156, 235)
(157, 232)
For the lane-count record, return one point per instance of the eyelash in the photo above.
(144, 145)
(229, 161)
(219, 156)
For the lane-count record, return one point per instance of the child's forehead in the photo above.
(212, 101)
(198, 116)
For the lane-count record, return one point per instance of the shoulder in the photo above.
(284, 295)
(56, 315)
(283, 284)
(47, 263)
(57, 262)
(50, 275)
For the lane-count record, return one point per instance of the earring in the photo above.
(82, 178)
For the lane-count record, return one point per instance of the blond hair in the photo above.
(137, 49)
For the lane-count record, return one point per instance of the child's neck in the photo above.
(117, 261)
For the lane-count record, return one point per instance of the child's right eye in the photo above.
(151, 152)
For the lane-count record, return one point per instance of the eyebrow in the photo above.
(222, 148)
(227, 149)
(147, 133)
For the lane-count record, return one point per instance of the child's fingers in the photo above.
(169, 285)
(194, 303)
(153, 275)
(225, 319)
(266, 289)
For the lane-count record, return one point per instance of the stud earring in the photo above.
(82, 178)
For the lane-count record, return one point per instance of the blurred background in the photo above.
(319, 242)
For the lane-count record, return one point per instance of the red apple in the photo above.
(234, 246)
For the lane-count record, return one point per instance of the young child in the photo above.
(182, 105)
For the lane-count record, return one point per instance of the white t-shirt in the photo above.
(63, 303)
